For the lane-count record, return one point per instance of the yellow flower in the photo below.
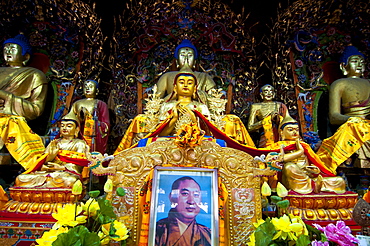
(258, 223)
(104, 239)
(49, 237)
(281, 190)
(252, 240)
(65, 216)
(285, 228)
(108, 186)
(92, 205)
(265, 189)
(121, 230)
(77, 188)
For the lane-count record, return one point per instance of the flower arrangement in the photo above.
(87, 224)
(291, 230)
(189, 135)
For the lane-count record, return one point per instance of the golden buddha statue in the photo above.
(93, 115)
(185, 53)
(349, 106)
(266, 116)
(56, 172)
(299, 174)
(22, 97)
(181, 108)
(349, 97)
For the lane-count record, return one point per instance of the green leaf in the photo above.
(77, 236)
(106, 208)
(276, 199)
(303, 240)
(264, 233)
(94, 193)
(283, 204)
(120, 191)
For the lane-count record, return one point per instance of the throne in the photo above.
(238, 200)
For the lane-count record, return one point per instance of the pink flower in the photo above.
(339, 233)
(319, 243)
(299, 63)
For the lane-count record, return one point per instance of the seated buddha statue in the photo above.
(349, 107)
(181, 108)
(350, 96)
(185, 53)
(22, 97)
(266, 116)
(299, 173)
(57, 171)
(93, 115)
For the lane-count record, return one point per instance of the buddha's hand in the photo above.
(51, 166)
(53, 148)
(186, 111)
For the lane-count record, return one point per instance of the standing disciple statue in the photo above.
(94, 117)
(22, 97)
(185, 54)
(57, 172)
(266, 116)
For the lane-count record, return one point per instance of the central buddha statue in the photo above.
(57, 172)
(185, 54)
(179, 109)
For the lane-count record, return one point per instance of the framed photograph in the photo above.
(184, 207)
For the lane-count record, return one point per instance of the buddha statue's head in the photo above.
(17, 51)
(69, 126)
(185, 53)
(91, 88)
(289, 129)
(185, 84)
(352, 62)
(267, 92)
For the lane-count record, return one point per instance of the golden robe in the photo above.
(233, 127)
(66, 178)
(27, 89)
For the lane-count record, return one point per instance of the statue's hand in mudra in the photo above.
(82, 113)
(186, 111)
(52, 167)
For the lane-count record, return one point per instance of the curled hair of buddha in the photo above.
(95, 82)
(263, 87)
(186, 43)
(22, 41)
(348, 52)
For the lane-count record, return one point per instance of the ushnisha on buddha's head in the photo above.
(185, 53)
(17, 51)
(352, 62)
(267, 92)
(289, 129)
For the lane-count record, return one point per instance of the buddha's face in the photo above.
(290, 132)
(68, 128)
(268, 93)
(355, 66)
(90, 89)
(185, 85)
(13, 54)
(186, 55)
